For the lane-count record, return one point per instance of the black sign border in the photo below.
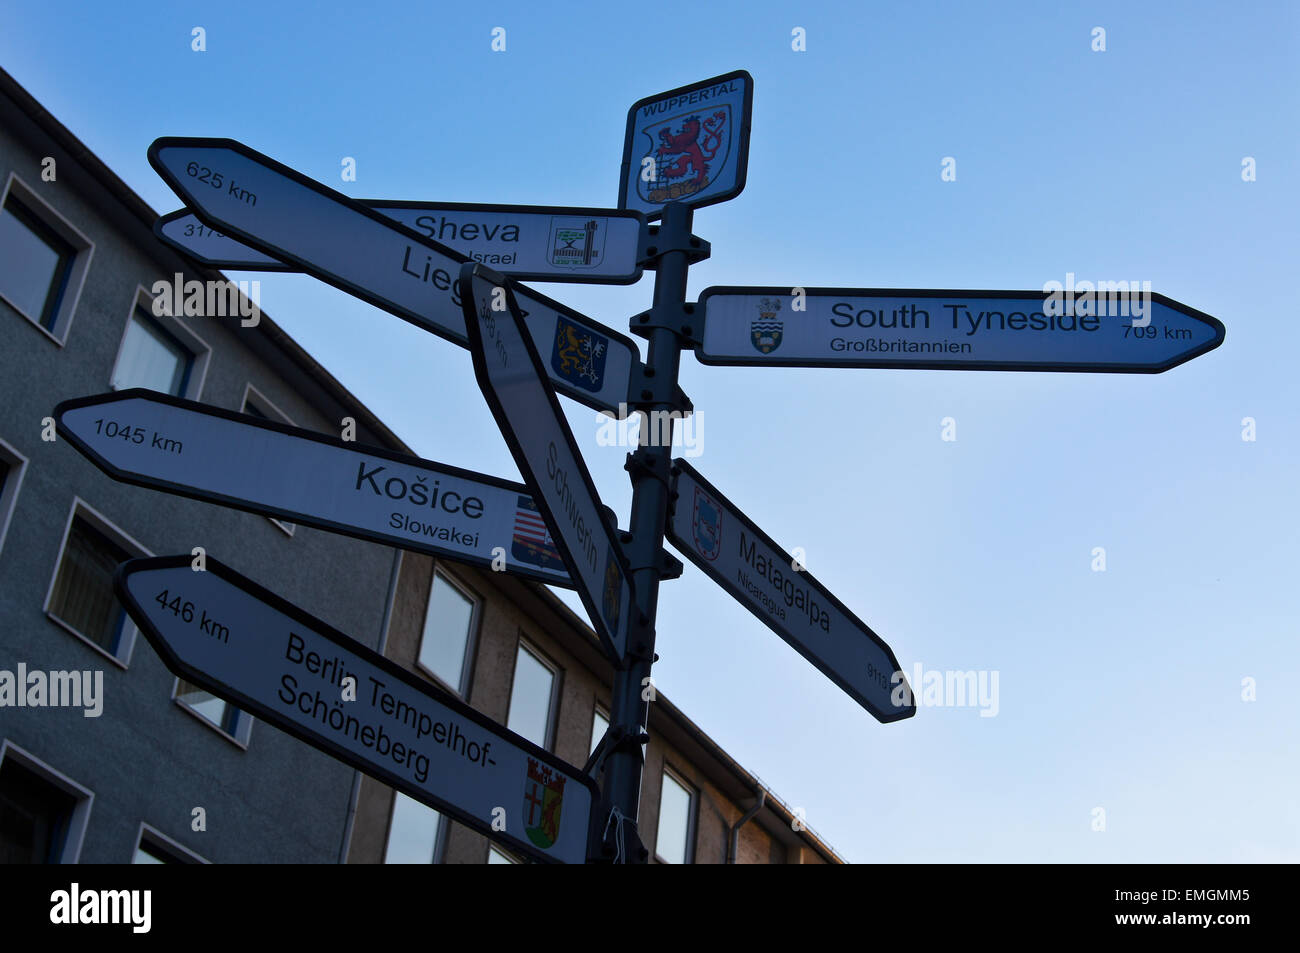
(1064, 367)
(742, 172)
(688, 550)
(363, 294)
(140, 615)
(177, 489)
(475, 270)
(378, 204)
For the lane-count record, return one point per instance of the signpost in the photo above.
(215, 455)
(528, 242)
(227, 634)
(1111, 330)
(713, 533)
(428, 264)
(285, 214)
(688, 145)
(511, 376)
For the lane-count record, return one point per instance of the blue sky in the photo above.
(1119, 689)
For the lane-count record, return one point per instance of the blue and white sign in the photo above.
(282, 213)
(263, 466)
(712, 532)
(1106, 329)
(247, 645)
(511, 374)
(529, 242)
(688, 145)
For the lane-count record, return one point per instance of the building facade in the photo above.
(146, 767)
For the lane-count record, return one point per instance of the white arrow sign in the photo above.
(510, 374)
(244, 643)
(528, 242)
(285, 214)
(710, 531)
(262, 466)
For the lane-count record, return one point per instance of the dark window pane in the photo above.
(149, 852)
(151, 358)
(34, 263)
(34, 816)
(83, 591)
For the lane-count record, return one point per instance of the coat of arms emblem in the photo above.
(766, 330)
(684, 153)
(543, 797)
(706, 525)
(579, 355)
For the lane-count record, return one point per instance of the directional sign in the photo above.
(688, 145)
(207, 453)
(224, 632)
(952, 330)
(531, 242)
(710, 531)
(282, 213)
(511, 376)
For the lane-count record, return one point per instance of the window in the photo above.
(233, 722)
(253, 405)
(414, 832)
(152, 358)
(159, 352)
(43, 260)
(532, 697)
(599, 725)
(42, 814)
(447, 639)
(12, 466)
(676, 821)
(498, 856)
(151, 847)
(81, 598)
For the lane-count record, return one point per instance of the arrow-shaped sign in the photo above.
(261, 466)
(1100, 330)
(224, 632)
(528, 242)
(712, 532)
(290, 217)
(510, 374)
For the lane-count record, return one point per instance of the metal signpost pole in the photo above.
(669, 325)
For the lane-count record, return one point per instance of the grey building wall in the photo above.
(146, 758)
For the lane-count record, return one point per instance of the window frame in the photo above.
(13, 481)
(243, 720)
(692, 810)
(598, 711)
(167, 845)
(439, 835)
(75, 836)
(471, 639)
(497, 848)
(97, 520)
(199, 349)
(78, 265)
(269, 411)
(525, 644)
